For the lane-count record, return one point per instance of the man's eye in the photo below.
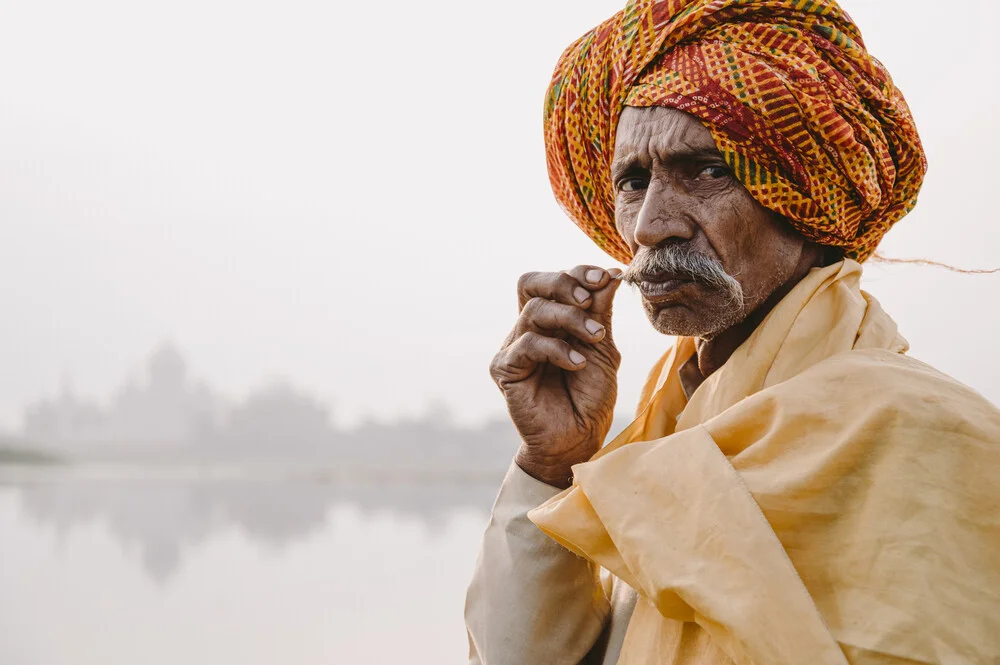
(632, 185)
(714, 172)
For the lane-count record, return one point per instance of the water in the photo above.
(111, 564)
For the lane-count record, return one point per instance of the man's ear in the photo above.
(827, 255)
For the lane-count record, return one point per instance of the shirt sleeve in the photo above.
(531, 601)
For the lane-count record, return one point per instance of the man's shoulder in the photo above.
(894, 390)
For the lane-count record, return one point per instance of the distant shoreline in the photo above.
(21, 455)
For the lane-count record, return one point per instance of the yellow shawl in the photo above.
(822, 499)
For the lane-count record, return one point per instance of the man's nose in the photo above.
(664, 215)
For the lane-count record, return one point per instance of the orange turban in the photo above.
(808, 121)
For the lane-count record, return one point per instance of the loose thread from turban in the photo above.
(878, 258)
(807, 120)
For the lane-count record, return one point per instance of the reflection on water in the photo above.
(276, 562)
(159, 512)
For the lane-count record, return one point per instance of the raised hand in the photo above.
(558, 369)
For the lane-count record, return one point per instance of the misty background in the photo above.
(255, 260)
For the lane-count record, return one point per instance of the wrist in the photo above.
(557, 472)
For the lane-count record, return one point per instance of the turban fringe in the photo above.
(807, 120)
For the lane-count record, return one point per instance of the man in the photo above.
(795, 489)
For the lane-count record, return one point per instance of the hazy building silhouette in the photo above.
(163, 409)
(165, 415)
(65, 419)
(278, 419)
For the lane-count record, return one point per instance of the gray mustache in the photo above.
(684, 262)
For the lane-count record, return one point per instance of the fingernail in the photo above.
(593, 326)
(581, 294)
(595, 276)
(576, 357)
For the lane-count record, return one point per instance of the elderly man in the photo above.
(795, 489)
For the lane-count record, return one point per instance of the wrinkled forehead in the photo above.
(645, 133)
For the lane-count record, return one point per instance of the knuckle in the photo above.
(613, 355)
(532, 307)
(517, 348)
(496, 365)
(566, 282)
(528, 340)
(508, 340)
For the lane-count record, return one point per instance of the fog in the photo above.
(255, 261)
(343, 195)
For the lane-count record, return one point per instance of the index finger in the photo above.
(570, 287)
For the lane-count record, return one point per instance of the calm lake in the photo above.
(105, 564)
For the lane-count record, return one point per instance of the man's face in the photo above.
(706, 254)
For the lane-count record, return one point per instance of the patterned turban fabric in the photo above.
(807, 120)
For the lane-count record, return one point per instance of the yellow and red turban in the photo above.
(809, 122)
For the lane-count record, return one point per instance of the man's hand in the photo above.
(558, 369)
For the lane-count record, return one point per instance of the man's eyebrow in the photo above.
(693, 154)
(621, 165)
(628, 161)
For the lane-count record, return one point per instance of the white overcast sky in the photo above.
(342, 194)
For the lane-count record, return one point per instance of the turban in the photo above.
(807, 120)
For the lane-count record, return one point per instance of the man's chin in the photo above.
(681, 320)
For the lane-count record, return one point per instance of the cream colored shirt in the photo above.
(532, 600)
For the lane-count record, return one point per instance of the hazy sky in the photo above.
(343, 194)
